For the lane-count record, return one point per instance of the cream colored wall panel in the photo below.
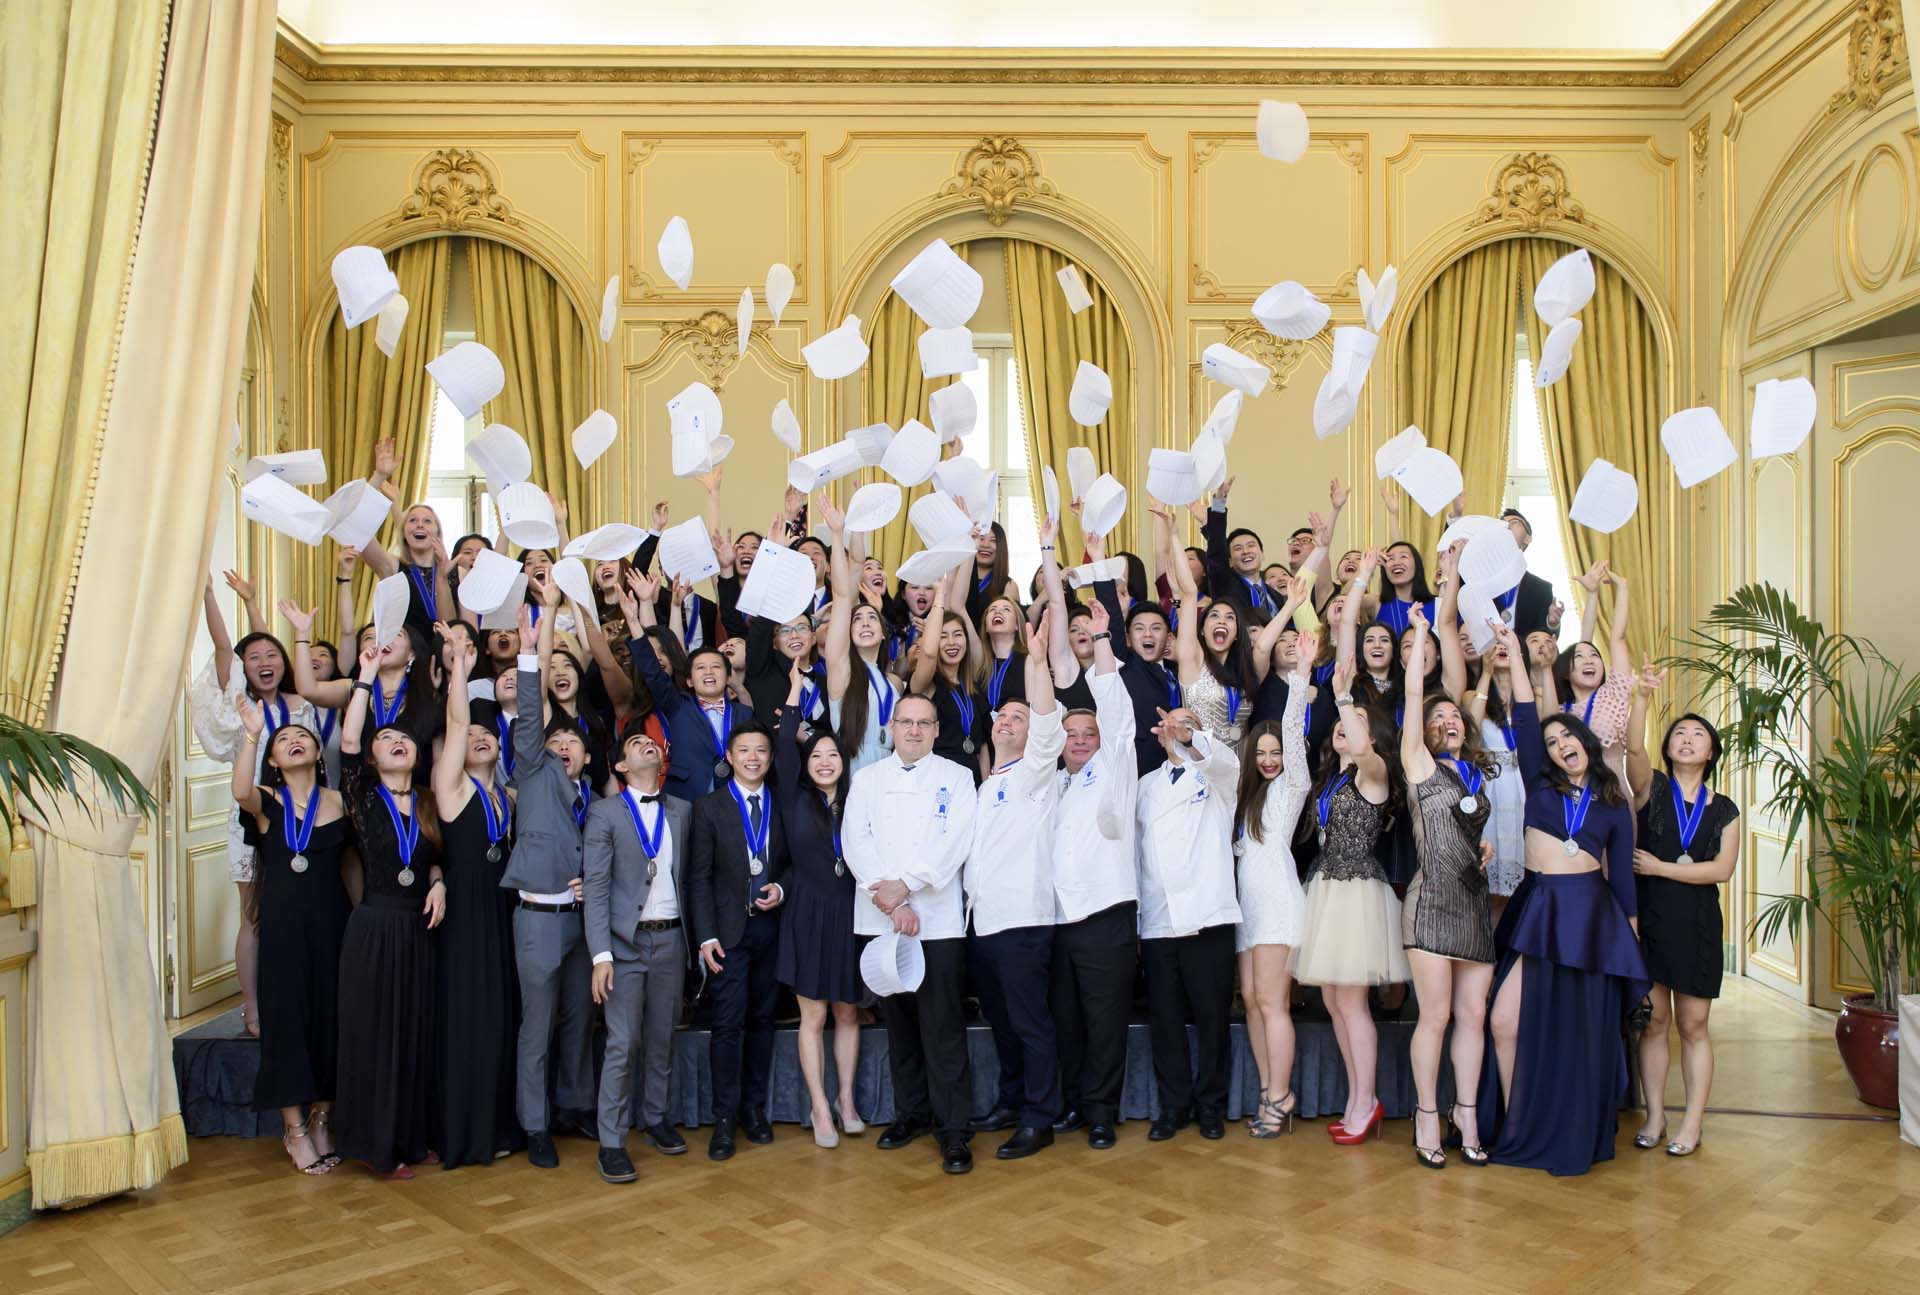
(1771, 114)
(1253, 221)
(1773, 870)
(1777, 545)
(209, 798)
(212, 917)
(1877, 385)
(1879, 215)
(744, 197)
(704, 350)
(1806, 277)
(1875, 481)
(871, 179)
(1122, 178)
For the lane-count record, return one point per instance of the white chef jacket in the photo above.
(1186, 842)
(1009, 871)
(913, 825)
(1093, 831)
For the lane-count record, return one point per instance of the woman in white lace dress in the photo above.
(256, 667)
(1273, 787)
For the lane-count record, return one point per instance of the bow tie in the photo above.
(647, 800)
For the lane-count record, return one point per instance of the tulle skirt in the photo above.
(1352, 935)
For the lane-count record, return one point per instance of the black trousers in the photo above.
(740, 1047)
(1091, 996)
(927, 1042)
(1192, 975)
(1010, 971)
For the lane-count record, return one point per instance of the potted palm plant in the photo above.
(36, 762)
(1855, 797)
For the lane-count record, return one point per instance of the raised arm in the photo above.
(839, 653)
(615, 680)
(1338, 493)
(1295, 774)
(257, 622)
(1186, 641)
(331, 692)
(1269, 634)
(450, 766)
(356, 716)
(529, 730)
(1369, 768)
(1639, 765)
(1453, 658)
(926, 649)
(1390, 501)
(1066, 667)
(1622, 658)
(344, 646)
(1347, 632)
(1416, 762)
(1590, 605)
(245, 794)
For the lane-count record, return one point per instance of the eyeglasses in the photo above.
(901, 721)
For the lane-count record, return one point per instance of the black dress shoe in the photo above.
(1070, 1121)
(901, 1132)
(955, 1156)
(1165, 1127)
(720, 1146)
(1211, 1124)
(540, 1152)
(1100, 1136)
(616, 1166)
(759, 1133)
(1000, 1117)
(666, 1139)
(1025, 1142)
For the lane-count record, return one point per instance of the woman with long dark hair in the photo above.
(1444, 921)
(1688, 846)
(1352, 939)
(990, 579)
(1218, 678)
(300, 831)
(1599, 689)
(1273, 787)
(817, 958)
(1569, 964)
(860, 694)
(383, 1112)
(947, 666)
(403, 694)
(477, 1002)
(1403, 586)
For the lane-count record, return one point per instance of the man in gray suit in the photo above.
(636, 876)
(549, 938)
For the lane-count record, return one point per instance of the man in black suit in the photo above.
(1531, 606)
(734, 889)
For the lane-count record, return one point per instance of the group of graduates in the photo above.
(459, 848)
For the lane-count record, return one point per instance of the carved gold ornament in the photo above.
(1282, 355)
(456, 189)
(712, 341)
(999, 171)
(1531, 191)
(1697, 138)
(1876, 55)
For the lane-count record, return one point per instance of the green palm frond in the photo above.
(37, 763)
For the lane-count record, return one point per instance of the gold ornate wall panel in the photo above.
(744, 197)
(1232, 189)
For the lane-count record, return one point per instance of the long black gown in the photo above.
(477, 1007)
(303, 916)
(817, 956)
(383, 1107)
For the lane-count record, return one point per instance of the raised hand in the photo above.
(302, 621)
(529, 636)
(1590, 579)
(370, 664)
(680, 591)
(1389, 499)
(240, 585)
(384, 458)
(1097, 614)
(252, 715)
(710, 480)
(662, 515)
(549, 590)
(1338, 492)
(1177, 724)
(348, 559)
(832, 514)
(1306, 648)
(1343, 677)
(645, 587)
(1049, 527)
(1322, 528)
(795, 503)
(1037, 636)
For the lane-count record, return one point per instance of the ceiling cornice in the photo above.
(583, 65)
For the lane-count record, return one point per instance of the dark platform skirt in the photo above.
(1582, 972)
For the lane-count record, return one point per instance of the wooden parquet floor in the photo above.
(1770, 1204)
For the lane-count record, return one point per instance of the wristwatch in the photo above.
(1343, 699)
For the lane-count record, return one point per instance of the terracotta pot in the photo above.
(1869, 1042)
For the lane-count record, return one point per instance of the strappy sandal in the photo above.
(314, 1167)
(1276, 1115)
(1476, 1156)
(1429, 1157)
(322, 1127)
(1258, 1125)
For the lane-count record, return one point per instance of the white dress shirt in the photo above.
(1186, 842)
(1093, 831)
(914, 825)
(1009, 872)
(663, 902)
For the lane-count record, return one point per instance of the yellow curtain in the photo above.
(81, 79)
(1608, 406)
(524, 315)
(1456, 378)
(893, 391)
(104, 1115)
(1049, 341)
(370, 396)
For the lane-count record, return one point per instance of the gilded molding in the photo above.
(281, 138)
(712, 341)
(454, 188)
(1282, 355)
(998, 172)
(1207, 284)
(1697, 148)
(1876, 56)
(1530, 190)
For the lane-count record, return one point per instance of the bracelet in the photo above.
(298, 642)
(362, 683)
(1343, 699)
(1103, 634)
(1046, 548)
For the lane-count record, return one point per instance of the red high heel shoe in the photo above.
(1349, 1137)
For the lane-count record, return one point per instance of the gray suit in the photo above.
(549, 948)
(649, 967)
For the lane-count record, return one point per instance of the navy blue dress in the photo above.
(1582, 971)
(817, 957)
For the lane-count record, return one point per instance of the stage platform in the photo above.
(216, 1062)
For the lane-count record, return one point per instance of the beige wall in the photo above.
(1758, 186)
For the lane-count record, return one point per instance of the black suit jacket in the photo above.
(1531, 605)
(718, 883)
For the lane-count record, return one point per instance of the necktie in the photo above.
(753, 812)
(1177, 771)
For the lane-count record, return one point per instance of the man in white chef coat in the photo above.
(1009, 887)
(1188, 911)
(1095, 898)
(907, 830)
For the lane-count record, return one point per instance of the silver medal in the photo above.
(839, 868)
(299, 863)
(756, 867)
(493, 852)
(1468, 804)
(653, 870)
(968, 746)
(406, 876)
(1572, 848)
(722, 770)
(1684, 859)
